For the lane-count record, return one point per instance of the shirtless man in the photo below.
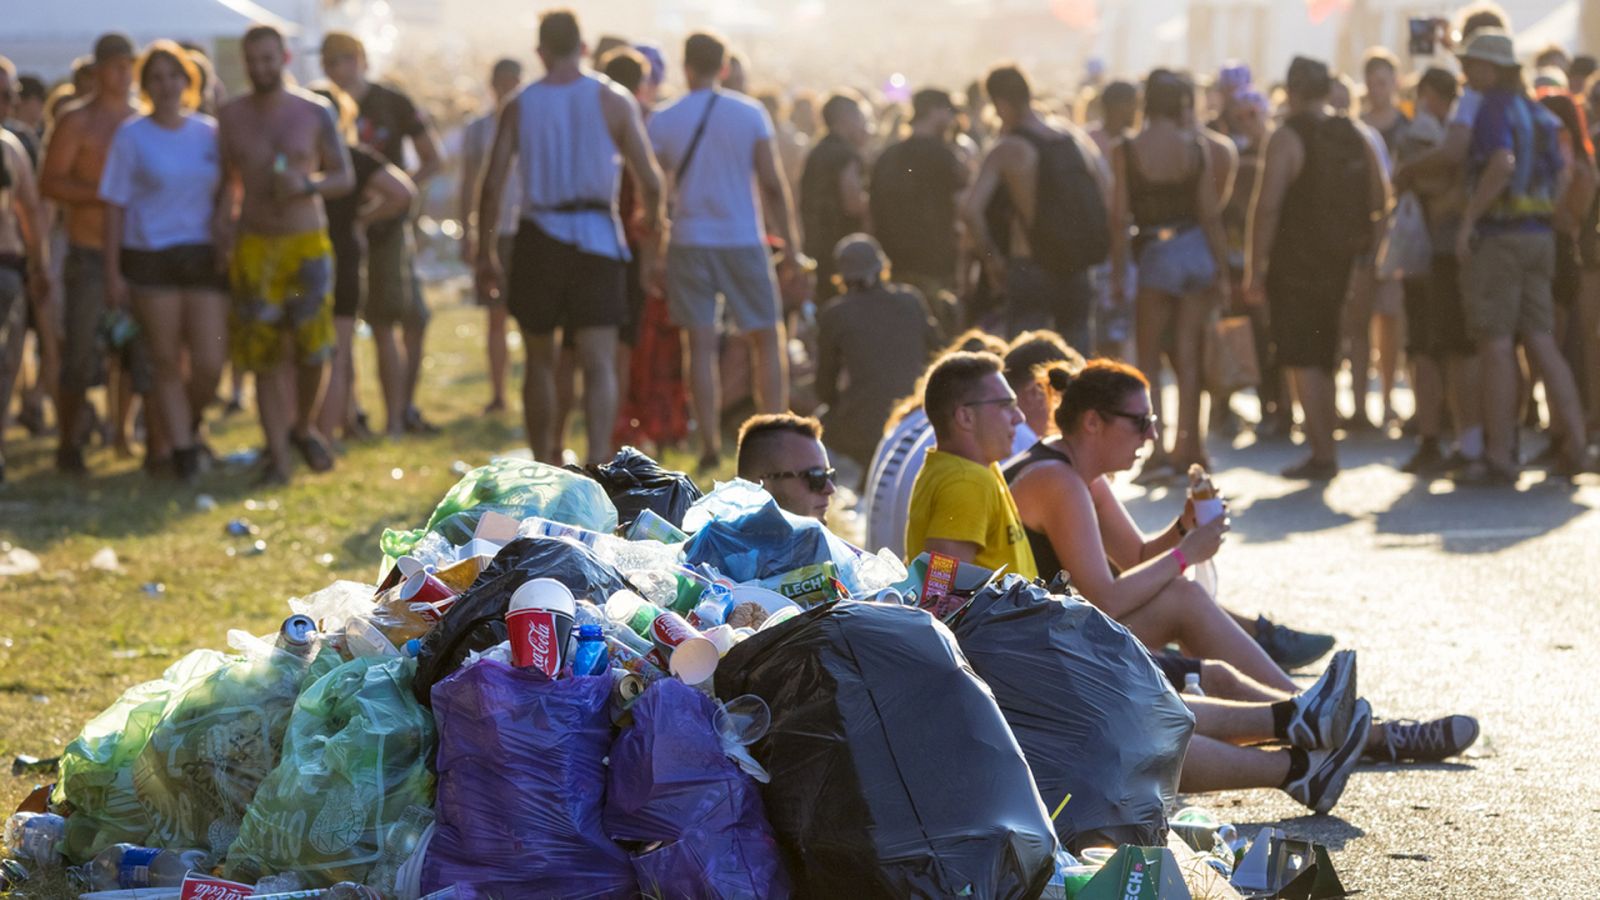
(70, 175)
(1006, 193)
(281, 154)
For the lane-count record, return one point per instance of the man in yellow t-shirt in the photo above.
(960, 505)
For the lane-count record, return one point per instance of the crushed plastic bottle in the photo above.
(35, 836)
(122, 866)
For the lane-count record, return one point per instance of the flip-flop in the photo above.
(314, 451)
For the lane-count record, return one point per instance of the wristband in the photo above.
(1183, 561)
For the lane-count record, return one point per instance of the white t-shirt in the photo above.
(165, 180)
(717, 205)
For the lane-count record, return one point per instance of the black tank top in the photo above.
(1161, 204)
(1044, 555)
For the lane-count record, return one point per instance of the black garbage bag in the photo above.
(477, 620)
(893, 772)
(1092, 712)
(635, 483)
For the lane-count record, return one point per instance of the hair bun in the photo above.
(1059, 378)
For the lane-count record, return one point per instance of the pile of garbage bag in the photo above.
(598, 683)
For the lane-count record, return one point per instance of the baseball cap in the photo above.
(858, 257)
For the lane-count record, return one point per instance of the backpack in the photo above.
(1071, 230)
(1336, 179)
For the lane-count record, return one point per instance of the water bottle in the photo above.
(34, 836)
(123, 866)
(1207, 507)
(591, 658)
(1191, 684)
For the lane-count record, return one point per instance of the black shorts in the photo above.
(1305, 309)
(1176, 667)
(556, 285)
(349, 277)
(1436, 323)
(185, 266)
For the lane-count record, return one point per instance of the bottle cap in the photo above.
(591, 632)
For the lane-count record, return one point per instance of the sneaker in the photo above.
(1319, 788)
(1289, 648)
(1322, 714)
(1440, 739)
(1426, 460)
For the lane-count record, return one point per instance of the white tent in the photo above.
(44, 36)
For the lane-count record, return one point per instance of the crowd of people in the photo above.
(979, 297)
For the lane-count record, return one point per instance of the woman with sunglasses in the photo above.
(1076, 525)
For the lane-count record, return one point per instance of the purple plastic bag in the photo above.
(521, 785)
(670, 781)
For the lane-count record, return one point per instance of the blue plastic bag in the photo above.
(739, 529)
(521, 786)
(669, 780)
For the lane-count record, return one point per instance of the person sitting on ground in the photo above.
(860, 375)
(907, 437)
(960, 506)
(783, 453)
(1076, 525)
(1026, 359)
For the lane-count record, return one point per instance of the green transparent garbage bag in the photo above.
(96, 778)
(352, 777)
(218, 738)
(519, 488)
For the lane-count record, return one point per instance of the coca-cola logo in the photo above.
(536, 639)
(201, 888)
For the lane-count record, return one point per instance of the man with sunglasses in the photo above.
(960, 505)
(783, 453)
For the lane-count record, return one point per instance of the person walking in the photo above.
(571, 132)
(160, 187)
(476, 139)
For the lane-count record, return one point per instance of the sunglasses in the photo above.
(1146, 422)
(1010, 402)
(817, 478)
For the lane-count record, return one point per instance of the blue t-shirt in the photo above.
(1510, 121)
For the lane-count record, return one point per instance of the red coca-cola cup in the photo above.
(539, 624)
(687, 652)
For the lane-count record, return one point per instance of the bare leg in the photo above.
(1357, 329)
(1386, 339)
(704, 390)
(498, 360)
(1429, 385)
(1561, 393)
(119, 396)
(161, 319)
(539, 394)
(1190, 444)
(1223, 681)
(1212, 765)
(1464, 393)
(1151, 312)
(310, 379)
(391, 376)
(1498, 359)
(566, 386)
(205, 326)
(1183, 612)
(771, 369)
(275, 401)
(1230, 720)
(413, 334)
(336, 407)
(597, 352)
(1314, 389)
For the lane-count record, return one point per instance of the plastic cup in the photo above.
(743, 720)
(539, 621)
(723, 637)
(424, 586)
(689, 655)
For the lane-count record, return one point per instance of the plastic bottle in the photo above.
(591, 657)
(1191, 684)
(633, 612)
(34, 836)
(590, 614)
(1207, 506)
(122, 866)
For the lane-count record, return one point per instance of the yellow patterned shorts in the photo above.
(281, 282)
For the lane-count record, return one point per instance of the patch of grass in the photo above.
(73, 637)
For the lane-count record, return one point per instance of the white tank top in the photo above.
(571, 168)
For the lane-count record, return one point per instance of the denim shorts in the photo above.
(1179, 265)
